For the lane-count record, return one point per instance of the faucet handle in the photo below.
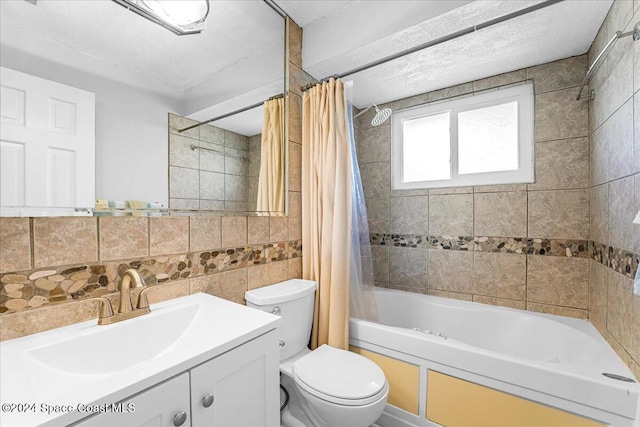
(143, 301)
(105, 309)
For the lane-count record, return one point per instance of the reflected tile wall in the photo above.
(213, 175)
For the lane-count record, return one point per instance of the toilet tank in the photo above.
(293, 300)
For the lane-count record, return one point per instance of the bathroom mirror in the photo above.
(141, 75)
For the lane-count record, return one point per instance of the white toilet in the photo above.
(330, 387)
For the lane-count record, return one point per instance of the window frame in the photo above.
(521, 93)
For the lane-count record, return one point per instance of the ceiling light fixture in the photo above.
(179, 16)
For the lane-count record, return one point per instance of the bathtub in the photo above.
(446, 358)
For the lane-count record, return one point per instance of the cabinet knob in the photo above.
(179, 418)
(207, 400)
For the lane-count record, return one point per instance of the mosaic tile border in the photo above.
(509, 245)
(619, 260)
(33, 288)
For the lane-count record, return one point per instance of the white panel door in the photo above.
(47, 143)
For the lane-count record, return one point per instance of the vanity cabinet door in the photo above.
(239, 388)
(164, 405)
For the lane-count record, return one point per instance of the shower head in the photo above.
(381, 116)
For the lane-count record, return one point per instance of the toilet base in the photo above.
(293, 415)
(301, 411)
(288, 420)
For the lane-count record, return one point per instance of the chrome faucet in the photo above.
(125, 308)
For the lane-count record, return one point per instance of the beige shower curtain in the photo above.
(326, 210)
(271, 180)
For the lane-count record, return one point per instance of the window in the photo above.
(482, 139)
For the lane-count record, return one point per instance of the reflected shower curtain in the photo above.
(271, 179)
(330, 218)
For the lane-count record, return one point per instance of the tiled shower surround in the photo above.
(528, 246)
(525, 245)
(221, 175)
(614, 130)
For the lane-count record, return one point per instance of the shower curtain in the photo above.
(271, 178)
(362, 288)
(330, 214)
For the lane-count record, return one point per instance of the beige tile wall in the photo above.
(556, 206)
(219, 176)
(29, 245)
(615, 181)
(297, 78)
(117, 243)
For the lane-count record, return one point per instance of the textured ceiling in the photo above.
(306, 12)
(235, 31)
(558, 31)
(210, 70)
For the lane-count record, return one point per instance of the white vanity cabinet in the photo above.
(164, 405)
(237, 388)
(197, 360)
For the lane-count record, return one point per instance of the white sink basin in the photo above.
(112, 348)
(87, 364)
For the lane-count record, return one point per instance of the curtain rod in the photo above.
(224, 116)
(277, 9)
(603, 54)
(272, 4)
(441, 40)
(195, 148)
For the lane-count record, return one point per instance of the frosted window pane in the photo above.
(426, 153)
(488, 139)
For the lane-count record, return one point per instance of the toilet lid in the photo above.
(339, 373)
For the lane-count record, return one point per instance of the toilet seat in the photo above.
(340, 377)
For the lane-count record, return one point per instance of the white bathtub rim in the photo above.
(611, 359)
(573, 382)
(580, 325)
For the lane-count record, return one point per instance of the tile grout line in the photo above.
(98, 221)
(32, 243)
